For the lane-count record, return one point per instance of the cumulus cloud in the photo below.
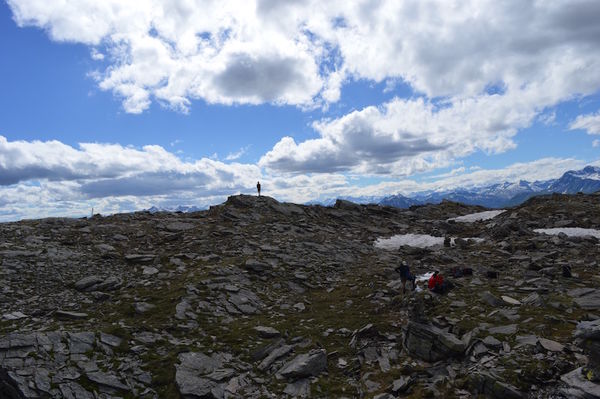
(590, 123)
(301, 52)
(236, 155)
(113, 170)
(479, 70)
(403, 137)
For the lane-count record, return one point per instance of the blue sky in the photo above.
(186, 102)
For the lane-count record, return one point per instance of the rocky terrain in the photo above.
(260, 299)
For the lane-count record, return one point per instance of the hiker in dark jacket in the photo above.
(405, 276)
(258, 188)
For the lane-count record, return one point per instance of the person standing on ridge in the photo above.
(258, 188)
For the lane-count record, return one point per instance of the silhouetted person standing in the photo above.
(258, 188)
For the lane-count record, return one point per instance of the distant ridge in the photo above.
(499, 195)
(180, 208)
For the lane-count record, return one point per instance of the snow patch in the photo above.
(570, 231)
(416, 240)
(474, 217)
(424, 277)
(411, 240)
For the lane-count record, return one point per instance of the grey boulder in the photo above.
(430, 343)
(305, 365)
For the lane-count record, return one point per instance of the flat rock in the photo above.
(510, 301)
(149, 270)
(108, 380)
(576, 380)
(110, 340)
(267, 332)
(588, 330)
(143, 307)
(401, 384)
(577, 292)
(430, 343)
(105, 248)
(109, 284)
(199, 362)
(305, 365)
(298, 389)
(550, 345)
(526, 340)
(492, 387)
(72, 390)
(384, 396)
(147, 337)
(181, 309)
(256, 266)
(140, 258)
(81, 342)
(192, 375)
(274, 355)
(65, 314)
(179, 226)
(88, 282)
(532, 299)
(264, 351)
(491, 299)
(491, 341)
(503, 330)
(589, 301)
(14, 316)
(192, 386)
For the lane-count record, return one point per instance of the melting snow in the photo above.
(571, 231)
(412, 240)
(415, 240)
(474, 217)
(424, 277)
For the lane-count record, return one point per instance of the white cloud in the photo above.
(548, 118)
(301, 52)
(590, 123)
(479, 70)
(236, 155)
(403, 137)
(596, 143)
(113, 170)
(96, 55)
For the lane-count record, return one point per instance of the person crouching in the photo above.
(436, 283)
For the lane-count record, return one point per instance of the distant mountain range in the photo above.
(180, 208)
(500, 195)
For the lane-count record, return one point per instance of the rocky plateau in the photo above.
(260, 299)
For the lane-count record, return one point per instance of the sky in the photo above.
(119, 106)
